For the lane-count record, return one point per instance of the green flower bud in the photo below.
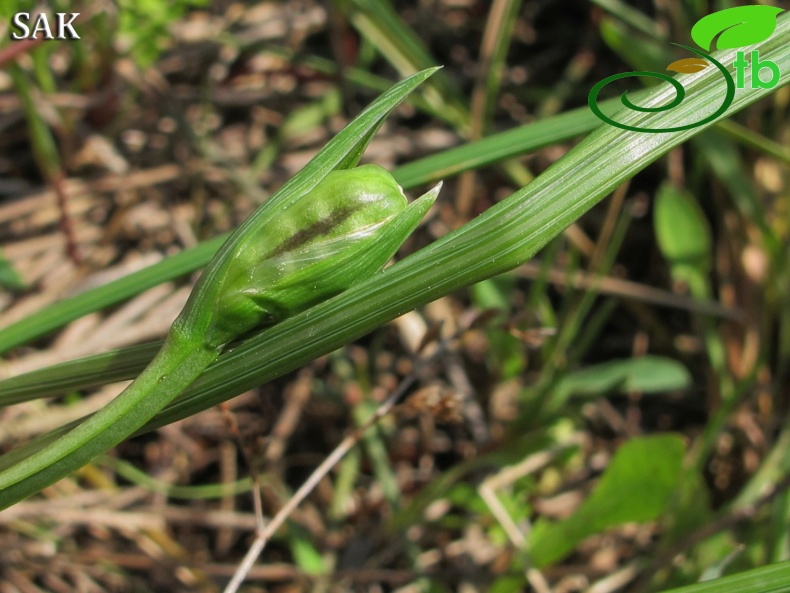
(340, 232)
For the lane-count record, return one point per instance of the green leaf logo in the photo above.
(736, 27)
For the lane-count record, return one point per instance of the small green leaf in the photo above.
(739, 26)
(508, 584)
(494, 293)
(636, 487)
(9, 277)
(682, 230)
(647, 374)
(306, 557)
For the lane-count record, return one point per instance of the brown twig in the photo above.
(11, 51)
(66, 223)
(265, 532)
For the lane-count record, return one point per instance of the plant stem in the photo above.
(176, 366)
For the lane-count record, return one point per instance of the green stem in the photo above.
(174, 368)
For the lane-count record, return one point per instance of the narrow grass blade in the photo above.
(768, 579)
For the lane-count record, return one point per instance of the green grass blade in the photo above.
(43, 143)
(496, 41)
(768, 579)
(81, 373)
(67, 310)
(498, 147)
(632, 17)
(378, 21)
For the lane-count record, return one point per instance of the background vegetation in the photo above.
(607, 417)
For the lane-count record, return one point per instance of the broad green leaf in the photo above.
(691, 509)
(636, 487)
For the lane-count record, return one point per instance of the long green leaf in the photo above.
(451, 162)
(502, 238)
(768, 579)
(82, 373)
